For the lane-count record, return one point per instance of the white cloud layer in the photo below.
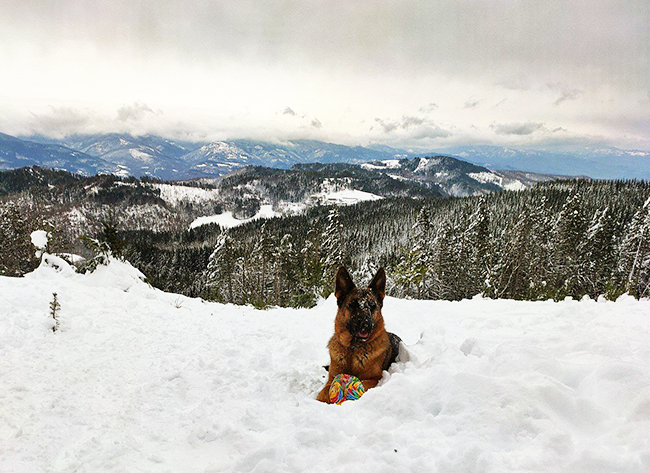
(411, 73)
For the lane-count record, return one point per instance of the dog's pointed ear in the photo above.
(378, 284)
(344, 284)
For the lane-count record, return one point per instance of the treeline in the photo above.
(557, 240)
(278, 261)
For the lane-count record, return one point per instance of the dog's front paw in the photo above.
(324, 395)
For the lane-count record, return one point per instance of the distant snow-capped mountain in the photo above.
(455, 177)
(138, 156)
(17, 153)
(167, 159)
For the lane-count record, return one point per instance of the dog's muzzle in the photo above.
(361, 328)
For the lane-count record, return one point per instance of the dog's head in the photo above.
(359, 313)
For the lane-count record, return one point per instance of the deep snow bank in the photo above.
(140, 380)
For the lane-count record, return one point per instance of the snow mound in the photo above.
(141, 380)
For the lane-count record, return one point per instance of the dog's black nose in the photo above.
(360, 326)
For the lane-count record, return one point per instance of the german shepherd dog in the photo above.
(360, 346)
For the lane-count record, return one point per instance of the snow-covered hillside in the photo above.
(227, 220)
(455, 177)
(140, 380)
(175, 194)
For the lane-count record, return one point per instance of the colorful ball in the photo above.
(345, 387)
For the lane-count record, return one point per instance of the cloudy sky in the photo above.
(422, 74)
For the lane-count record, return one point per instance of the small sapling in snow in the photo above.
(54, 309)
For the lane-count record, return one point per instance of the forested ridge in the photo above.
(558, 239)
(562, 239)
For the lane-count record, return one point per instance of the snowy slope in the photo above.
(175, 194)
(456, 177)
(227, 220)
(143, 381)
(344, 197)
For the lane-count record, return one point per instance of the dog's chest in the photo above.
(361, 360)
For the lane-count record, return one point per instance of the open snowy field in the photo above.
(138, 380)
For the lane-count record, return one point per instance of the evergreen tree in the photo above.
(312, 269)
(331, 250)
(600, 254)
(541, 249)
(514, 269)
(569, 259)
(222, 269)
(634, 259)
(262, 269)
(478, 242)
(288, 264)
(17, 254)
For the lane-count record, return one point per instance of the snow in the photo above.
(505, 183)
(227, 220)
(140, 155)
(337, 191)
(141, 380)
(425, 163)
(173, 194)
(39, 239)
(385, 164)
(344, 197)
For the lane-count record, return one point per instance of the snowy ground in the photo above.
(139, 380)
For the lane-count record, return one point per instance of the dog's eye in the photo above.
(353, 305)
(371, 305)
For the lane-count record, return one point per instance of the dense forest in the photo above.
(561, 239)
(558, 239)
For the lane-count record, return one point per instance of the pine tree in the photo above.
(331, 250)
(222, 269)
(288, 271)
(514, 270)
(541, 250)
(634, 254)
(478, 242)
(600, 255)
(262, 269)
(570, 255)
(445, 261)
(416, 270)
(17, 254)
(312, 269)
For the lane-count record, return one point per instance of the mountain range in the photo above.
(162, 158)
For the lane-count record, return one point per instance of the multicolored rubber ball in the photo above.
(345, 387)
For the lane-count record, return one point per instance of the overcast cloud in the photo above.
(435, 72)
